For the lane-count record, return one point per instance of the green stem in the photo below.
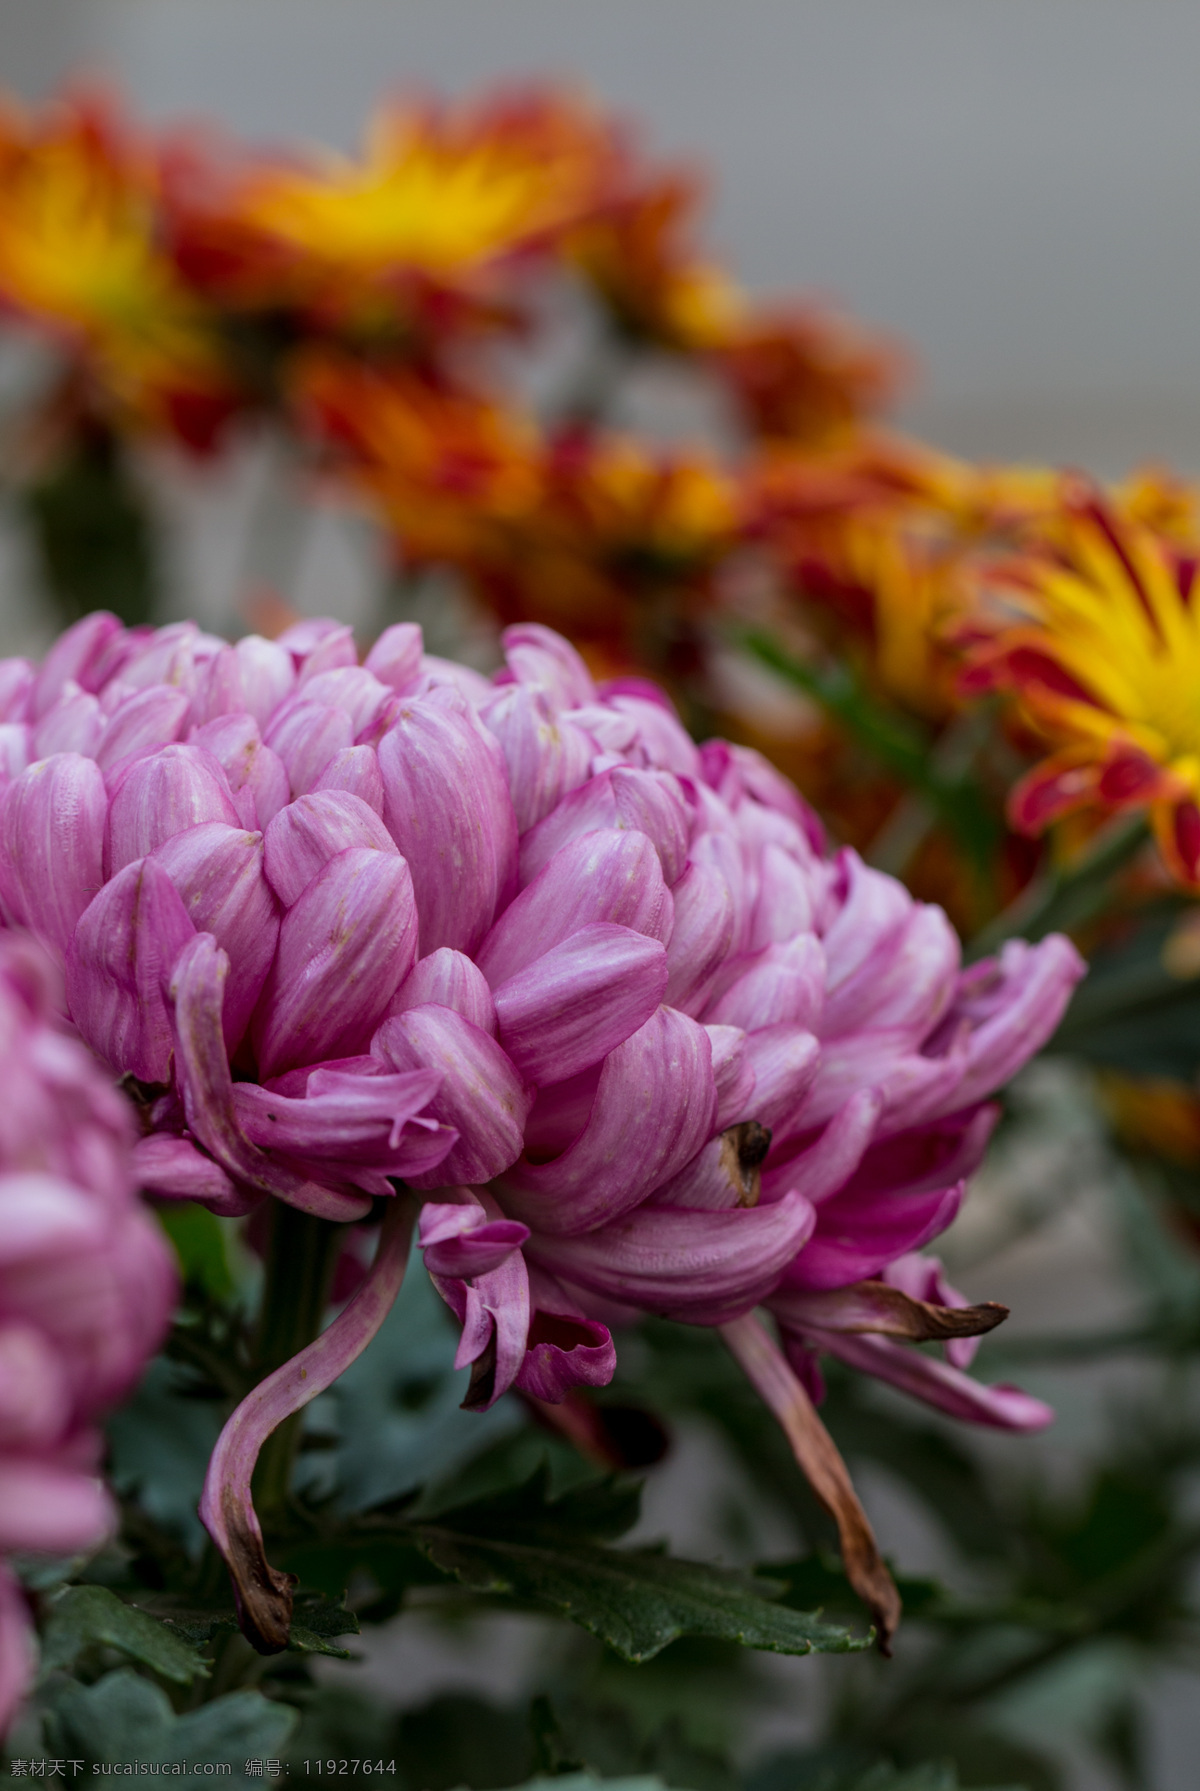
(295, 1294)
(1059, 899)
(903, 746)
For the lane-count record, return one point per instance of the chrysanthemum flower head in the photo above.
(86, 1286)
(442, 199)
(1093, 628)
(81, 259)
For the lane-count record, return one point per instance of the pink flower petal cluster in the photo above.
(595, 993)
(86, 1287)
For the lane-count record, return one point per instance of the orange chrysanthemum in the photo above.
(1094, 629)
(80, 260)
(452, 474)
(441, 199)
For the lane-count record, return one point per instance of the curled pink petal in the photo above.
(121, 957)
(307, 736)
(356, 770)
(937, 1383)
(218, 873)
(464, 1241)
(575, 1003)
(480, 1095)
(197, 991)
(173, 1169)
(705, 1267)
(264, 1596)
(345, 946)
(648, 802)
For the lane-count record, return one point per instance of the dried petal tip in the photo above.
(816, 1454)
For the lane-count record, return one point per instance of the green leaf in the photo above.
(315, 1620)
(92, 1616)
(587, 1781)
(199, 1244)
(635, 1600)
(125, 1718)
(837, 1769)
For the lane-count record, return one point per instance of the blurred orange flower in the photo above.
(407, 237)
(80, 260)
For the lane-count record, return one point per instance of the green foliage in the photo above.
(93, 534)
(636, 1600)
(87, 1617)
(125, 1718)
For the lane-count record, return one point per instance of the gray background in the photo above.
(1010, 184)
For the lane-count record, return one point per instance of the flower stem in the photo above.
(300, 1266)
(1064, 898)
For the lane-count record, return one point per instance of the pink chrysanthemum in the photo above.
(598, 996)
(86, 1287)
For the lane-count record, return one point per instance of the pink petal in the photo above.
(546, 756)
(780, 984)
(226, 1505)
(206, 1086)
(449, 979)
(575, 1003)
(179, 787)
(563, 1349)
(648, 802)
(51, 1510)
(1012, 1005)
(255, 774)
(16, 688)
(395, 658)
(344, 948)
(52, 829)
(79, 654)
(268, 675)
(75, 724)
(822, 1167)
(218, 872)
(654, 1108)
(481, 1094)
(307, 736)
(858, 1234)
(122, 954)
(356, 769)
(351, 688)
(173, 1169)
(607, 876)
(537, 656)
(447, 806)
(141, 724)
(702, 1267)
(733, 1074)
(464, 1241)
(702, 937)
(785, 904)
(306, 834)
(1002, 1407)
(347, 1120)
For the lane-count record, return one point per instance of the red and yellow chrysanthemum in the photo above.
(1094, 629)
(81, 261)
(417, 228)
